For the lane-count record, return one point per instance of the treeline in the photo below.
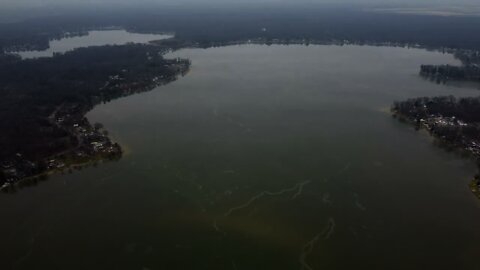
(208, 26)
(466, 109)
(444, 73)
(469, 70)
(31, 91)
(454, 120)
(468, 57)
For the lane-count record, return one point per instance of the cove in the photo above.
(262, 157)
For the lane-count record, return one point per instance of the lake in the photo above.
(93, 38)
(262, 157)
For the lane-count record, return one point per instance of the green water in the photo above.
(280, 157)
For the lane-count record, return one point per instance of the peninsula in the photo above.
(44, 102)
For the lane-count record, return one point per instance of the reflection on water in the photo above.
(94, 38)
(262, 157)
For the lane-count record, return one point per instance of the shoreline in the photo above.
(475, 186)
(70, 168)
(86, 143)
(471, 154)
(94, 144)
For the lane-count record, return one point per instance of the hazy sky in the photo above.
(16, 10)
(6, 3)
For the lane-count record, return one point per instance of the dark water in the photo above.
(260, 158)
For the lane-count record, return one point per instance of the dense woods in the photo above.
(216, 26)
(468, 71)
(43, 101)
(455, 121)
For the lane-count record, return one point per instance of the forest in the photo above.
(469, 70)
(456, 121)
(208, 26)
(43, 101)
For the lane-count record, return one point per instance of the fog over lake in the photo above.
(261, 157)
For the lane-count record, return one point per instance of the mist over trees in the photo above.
(207, 25)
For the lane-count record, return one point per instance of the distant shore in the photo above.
(84, 144)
